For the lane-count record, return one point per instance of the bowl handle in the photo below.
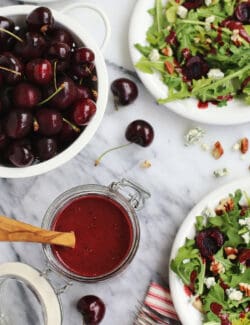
(99, 11)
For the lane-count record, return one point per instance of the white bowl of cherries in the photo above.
(53, 90)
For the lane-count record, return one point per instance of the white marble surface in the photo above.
(179, 178)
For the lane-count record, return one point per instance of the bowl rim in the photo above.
(86, 136)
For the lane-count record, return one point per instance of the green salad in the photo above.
(215, 266)
(200, 48)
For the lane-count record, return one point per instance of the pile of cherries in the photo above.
(48, 89)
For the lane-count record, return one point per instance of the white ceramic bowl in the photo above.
(18, 14)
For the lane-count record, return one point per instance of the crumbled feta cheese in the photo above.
(245, 222)
(221, 172)
(208, 40)
(234, 294)
(210, 19)
(194, 135)
(215, 74)
(154, 55)
(205, 147)
(246, 237)
(182, 11)
(208, 2)
(236, 36)
(186, 260)
(207, 212)
(209, 282)
(236, 146)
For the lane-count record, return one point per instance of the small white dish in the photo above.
(236, 111)
(187, 313)
(18, 14)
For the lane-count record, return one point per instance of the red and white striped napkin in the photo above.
(157, 306)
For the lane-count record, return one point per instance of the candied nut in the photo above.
(224, 205)
(146, 164)
(245, 287)
(218, 150)
(167, 51)
(244, 145)
(169, 67)
(216, 267)
(197, 304)
(231, 252)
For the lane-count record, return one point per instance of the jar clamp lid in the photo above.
(40, 287)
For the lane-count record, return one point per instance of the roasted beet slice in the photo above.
(192, 4)
(195, 68)
(244, 257)
(209, 241)
(242, 12)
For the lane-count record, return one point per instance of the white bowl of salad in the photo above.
(210, 260)
(193, 56)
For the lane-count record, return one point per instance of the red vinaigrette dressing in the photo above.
(104, 235)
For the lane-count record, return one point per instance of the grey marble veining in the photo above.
(179, 177)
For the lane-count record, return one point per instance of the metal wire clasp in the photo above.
(137, 197)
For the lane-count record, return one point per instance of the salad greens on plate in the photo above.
(215, 266)
(200, 49)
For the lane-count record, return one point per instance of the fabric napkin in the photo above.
(157, 306)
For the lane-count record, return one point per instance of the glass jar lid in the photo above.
(27, 297)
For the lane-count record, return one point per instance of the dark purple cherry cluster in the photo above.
(48, 89)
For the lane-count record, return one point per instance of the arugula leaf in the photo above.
(147, 66)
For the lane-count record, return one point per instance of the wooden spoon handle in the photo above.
(12, 230)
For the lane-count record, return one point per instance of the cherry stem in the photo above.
(74, 127)
(10, 70)
(11, 34)
(55, 64)
(52, 95)
(98, 160)
(81, 81)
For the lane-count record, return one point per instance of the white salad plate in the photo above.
(187, 313)
(236, 111)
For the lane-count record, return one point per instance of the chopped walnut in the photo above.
(216, 267)
(244, 145)
(231, 252)
(218, 150)
(225, 205)
(167, 51)
(146, 164)
(245, 287)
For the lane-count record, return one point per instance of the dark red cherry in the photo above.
(66, 96)
(192, 4)
(3, 138)
(9, 25)
(46, 148)
(83, 92)
(25, 95)
(140, 132)
(19, 154)
(242, 12)
(83, 70)
(11, 62)
(40, 19)
(61, 65)
(59, 51)
(48, 121)
(195, 68)
(83, 55)
(124, 90)
(209, 241)
(18, 124)
(68, 133)
(39, 71)
(32, 47)
(61, 35)
(1, 80)
(82, 111)
(92, 308)
(244, 257)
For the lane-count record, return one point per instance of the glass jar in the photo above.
(125, 194)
